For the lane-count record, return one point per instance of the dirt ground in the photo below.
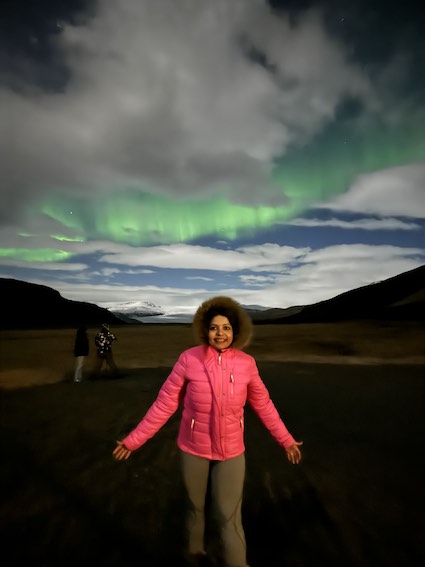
(31, 357)
(356, 499)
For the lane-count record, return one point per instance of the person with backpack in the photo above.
(103, 341)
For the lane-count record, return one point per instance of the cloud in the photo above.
(174, 109)
(50, 266)
(141, 271)
(395, 191)
(292, 277)
(257, 281)
(362, 224)
(183, 256)
(333, 270)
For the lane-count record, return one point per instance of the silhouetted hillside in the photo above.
(31, 306)
(401, 297)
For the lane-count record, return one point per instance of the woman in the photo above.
(215, 381)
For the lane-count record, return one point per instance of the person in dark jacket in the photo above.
(214, 381)
(81, 350)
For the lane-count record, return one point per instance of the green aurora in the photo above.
(36, 255)
(305, 176)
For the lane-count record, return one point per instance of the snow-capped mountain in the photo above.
(148, 312)
(137, 309)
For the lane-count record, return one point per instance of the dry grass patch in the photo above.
(30, 357)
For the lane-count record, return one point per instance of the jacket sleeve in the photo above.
(260, 401)
(162, 408)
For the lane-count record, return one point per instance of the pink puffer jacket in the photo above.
(216, 387)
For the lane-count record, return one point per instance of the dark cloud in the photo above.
(168, 109)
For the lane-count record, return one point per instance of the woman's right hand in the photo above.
(121, 452)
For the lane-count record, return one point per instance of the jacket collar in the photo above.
(212, 354)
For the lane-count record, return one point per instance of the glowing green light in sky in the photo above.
(306, 176)
(139, 219)
(329, 165)
(62, 238)
(36, 255)
(67, 217)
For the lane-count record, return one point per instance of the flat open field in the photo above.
(46, 356)
(357, 498)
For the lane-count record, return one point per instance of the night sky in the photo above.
(162, 151)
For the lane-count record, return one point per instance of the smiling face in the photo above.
(220, 332)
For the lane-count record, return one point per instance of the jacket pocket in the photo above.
(232, 386)
(192, 427)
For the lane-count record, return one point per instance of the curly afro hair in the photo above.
(227, 307)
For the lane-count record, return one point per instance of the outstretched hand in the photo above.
(293, 453)
(121, 452)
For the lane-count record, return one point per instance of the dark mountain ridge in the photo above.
(33, 306)
(401, 297)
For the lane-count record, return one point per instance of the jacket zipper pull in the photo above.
(219, 357)
(232, 383)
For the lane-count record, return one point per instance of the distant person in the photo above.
(214, 381)
(81, 350)
(103, 342)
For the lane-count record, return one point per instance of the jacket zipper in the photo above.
(221, 402)
(192, 427)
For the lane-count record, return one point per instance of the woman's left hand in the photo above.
(121, 452)
(293, 453)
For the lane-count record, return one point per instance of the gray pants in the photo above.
(227, 480)
(78, 372)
